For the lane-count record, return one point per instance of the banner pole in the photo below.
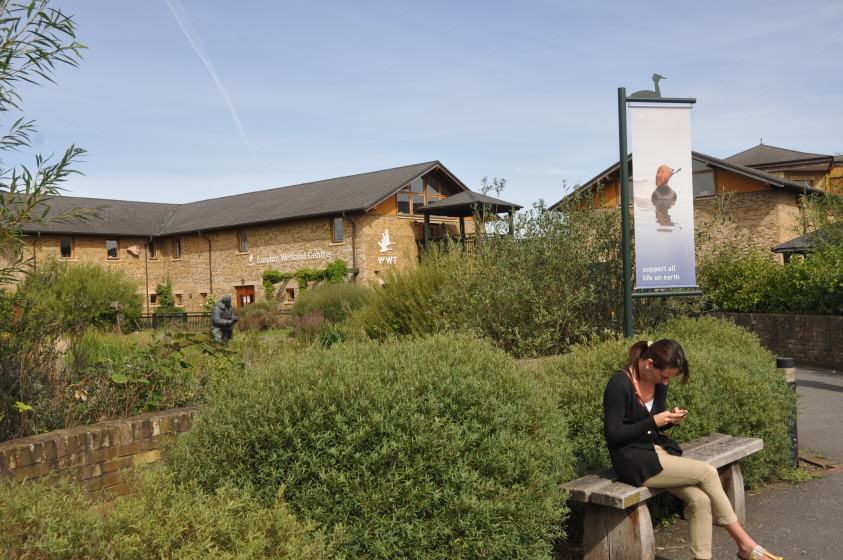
(626, 251)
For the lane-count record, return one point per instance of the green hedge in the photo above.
(734, 389)
(745, 281)
(162, 520)
(428, 448)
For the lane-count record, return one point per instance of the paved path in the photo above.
(821, 412)
(798, 521)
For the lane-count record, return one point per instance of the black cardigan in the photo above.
(630, 430)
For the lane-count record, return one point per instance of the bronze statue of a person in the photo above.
(223, 319)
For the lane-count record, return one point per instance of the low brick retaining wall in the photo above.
(94, 454)
(811, 339)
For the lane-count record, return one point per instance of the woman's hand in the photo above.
(675, 417)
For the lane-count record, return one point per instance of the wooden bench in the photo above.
(617, 521)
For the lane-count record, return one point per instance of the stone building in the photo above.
(762, 195)
(372, 221)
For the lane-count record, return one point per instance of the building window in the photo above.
(179, 299)
(417, 185)
(112, 248)
(337, 230)
(434, 187)
(418, 202)
(153, 299)
(419, 193)
(243, 241)
(66, 247)
(403, 203)
(704, 184)
(177, 248)
(152, 247)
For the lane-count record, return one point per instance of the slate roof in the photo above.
(115, 217)
(805, 243)
(349, 194)
(700, 162)
(796, 245)
(763, 155)
(462, 204)
(353, 193)
(770, 179)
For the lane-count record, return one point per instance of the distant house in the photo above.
(810, 170)
(765, 192)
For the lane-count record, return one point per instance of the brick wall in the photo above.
(811, 339)
(763, 219)
(94, 454)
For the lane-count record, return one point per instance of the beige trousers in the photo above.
(698, 485)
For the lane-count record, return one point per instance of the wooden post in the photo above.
(426, 230)
(732, 479)
(616, 534)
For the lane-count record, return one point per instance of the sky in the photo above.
(183, 100)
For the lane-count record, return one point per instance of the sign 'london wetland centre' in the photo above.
(293, 256)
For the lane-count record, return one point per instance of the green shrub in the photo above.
(742, 280)
(750, 281)
(734, 389)
(336, 301)
(431, 448)
(554, 285)
(167, 311)
(82, 295)
(262, 316)
(336, 271)
(162, 520)
(113, 376)
(408, 304)
(38, 323)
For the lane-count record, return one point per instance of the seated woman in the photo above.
(635, 415)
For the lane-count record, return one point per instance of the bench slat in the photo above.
(603, 488)
(724, 453)
(582, 488)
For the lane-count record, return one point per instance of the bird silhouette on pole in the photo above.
(651, 93)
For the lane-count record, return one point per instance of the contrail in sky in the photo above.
(183, 25)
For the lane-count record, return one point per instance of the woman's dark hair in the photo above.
(665, 353)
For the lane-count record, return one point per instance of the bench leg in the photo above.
(732, 479)
(614, 534)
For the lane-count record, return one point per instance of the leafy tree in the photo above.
(34, 40)
(821, 217)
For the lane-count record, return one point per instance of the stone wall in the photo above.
(195, 273)
(811, 339)
(95, 454)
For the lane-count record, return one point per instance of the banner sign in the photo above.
(663, 195)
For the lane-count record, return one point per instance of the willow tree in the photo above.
(35, 40)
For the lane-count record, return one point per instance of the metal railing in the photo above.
(193, 321)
